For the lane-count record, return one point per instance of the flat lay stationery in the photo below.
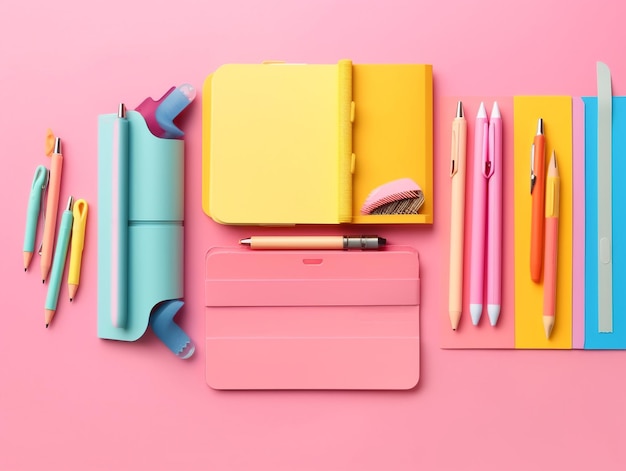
(79, 213)
(40, 181)
(52, 204)
(568, 303)
(58, 262)
(359, 128)
(312, 319)
(141, 221)
(457, 214)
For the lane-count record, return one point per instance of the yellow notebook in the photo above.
(288, 144)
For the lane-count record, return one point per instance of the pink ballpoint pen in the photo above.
(479, 203)
(493, 172)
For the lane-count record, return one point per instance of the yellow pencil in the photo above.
(78, 242)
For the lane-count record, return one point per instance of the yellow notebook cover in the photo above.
(393, 135)
(278, 141)
(556, 112)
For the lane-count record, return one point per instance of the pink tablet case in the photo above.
(312, 319)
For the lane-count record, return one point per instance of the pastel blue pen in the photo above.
(119, 220)
(58, 261)
(40, 181)
(171, 107)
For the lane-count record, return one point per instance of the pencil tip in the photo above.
(46, 326)
(43, 281)
(71, 299)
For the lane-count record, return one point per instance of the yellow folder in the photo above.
(556, 112)
(288, 144)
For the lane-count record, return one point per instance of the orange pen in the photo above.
(52, 206)
(537, 191)
(552, 237)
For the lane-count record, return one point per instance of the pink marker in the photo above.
(493, 172)
(479, 203)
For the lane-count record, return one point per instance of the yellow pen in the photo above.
(78, 242)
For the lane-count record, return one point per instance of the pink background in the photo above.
(73, 401)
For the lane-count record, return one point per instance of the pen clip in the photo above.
(38, 188)
(488, 169)
(79, 211)
(44, 192)
(454, 168)
(41, 178)
(533, 176)
(486, 157)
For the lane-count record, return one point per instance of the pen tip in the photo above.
(46, 326)
(43, 281)
(459, 109)
(540, 126)
(71, 299)
(482, 112)
(495, 111)
(57, 145)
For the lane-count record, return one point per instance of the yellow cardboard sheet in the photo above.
(556, 112)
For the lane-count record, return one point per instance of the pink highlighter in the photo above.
(494, 216)
(479, 203)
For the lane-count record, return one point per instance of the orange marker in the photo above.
(552, 236)
(537, 191)
(52, 206)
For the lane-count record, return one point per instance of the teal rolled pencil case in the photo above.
(153, 267)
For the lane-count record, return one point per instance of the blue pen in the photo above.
(119, 235)
(58, 262)
(40, 181)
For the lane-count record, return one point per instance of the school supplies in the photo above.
(605, 211)
(457, 215)
(79, 213)
(119, 219)
(52, 205)
(312, 319)
(486, 243)
(537, 191)
(593, 337)
(494, 216)
(58, 264)
(153, 266)
(522, 301)
(551, 245)
(314, 242)
(40, 181)
(288, 144)
(479, 218)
